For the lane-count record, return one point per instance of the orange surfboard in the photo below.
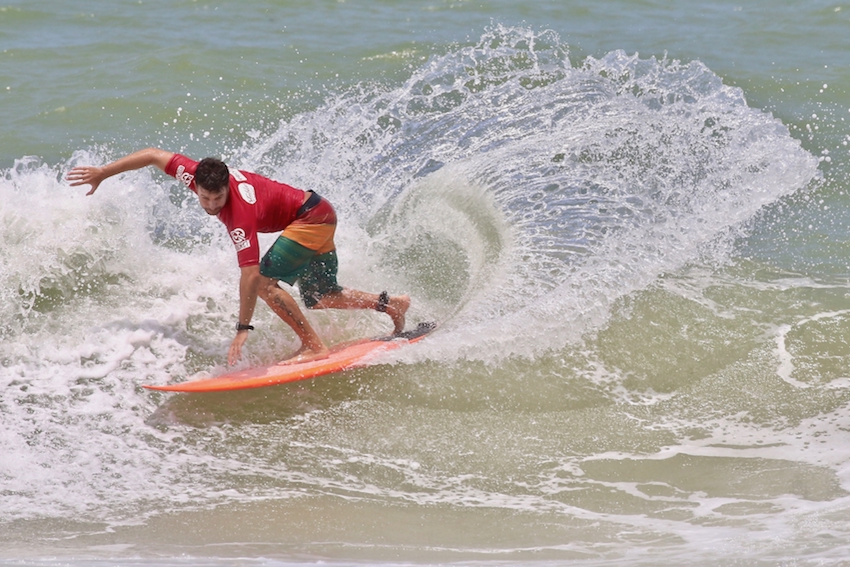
(343, 357)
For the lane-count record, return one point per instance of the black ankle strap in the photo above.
(383, 301)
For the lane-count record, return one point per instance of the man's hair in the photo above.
(212, 174)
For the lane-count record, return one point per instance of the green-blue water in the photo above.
(629, 218)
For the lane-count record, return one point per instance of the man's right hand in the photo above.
(86, 175)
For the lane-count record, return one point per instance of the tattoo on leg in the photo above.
(284, 306)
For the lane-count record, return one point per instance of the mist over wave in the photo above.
(516, 195)
(520, 194)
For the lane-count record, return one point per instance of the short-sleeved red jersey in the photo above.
(255, 204)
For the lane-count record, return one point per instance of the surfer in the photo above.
(248, 204)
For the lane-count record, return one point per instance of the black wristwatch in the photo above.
(241, 327)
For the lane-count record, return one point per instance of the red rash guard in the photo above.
(255, 204)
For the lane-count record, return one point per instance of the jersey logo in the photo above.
(184, 176)
(237, 175)
(248, 193)
(239, 240)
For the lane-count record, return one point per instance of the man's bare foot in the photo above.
(396, 308)
(306, 355)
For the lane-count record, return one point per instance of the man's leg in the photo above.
(285, 306)
(396, 306)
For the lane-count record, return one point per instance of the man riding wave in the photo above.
(304, 253)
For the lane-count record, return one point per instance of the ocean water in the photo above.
(629, 218)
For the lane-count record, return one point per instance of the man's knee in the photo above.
(326, 300)
(266, 288)
(312, 300)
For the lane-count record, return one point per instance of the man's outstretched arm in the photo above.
(94, 176)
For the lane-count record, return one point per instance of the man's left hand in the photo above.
(235, 353)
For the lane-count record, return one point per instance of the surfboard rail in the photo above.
(343, 357)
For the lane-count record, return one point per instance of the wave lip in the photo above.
(604, 175)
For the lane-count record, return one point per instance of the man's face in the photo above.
(212, 201)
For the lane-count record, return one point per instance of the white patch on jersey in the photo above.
(239, 240)
(248, 193)
(183, 176)
(237, 175)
